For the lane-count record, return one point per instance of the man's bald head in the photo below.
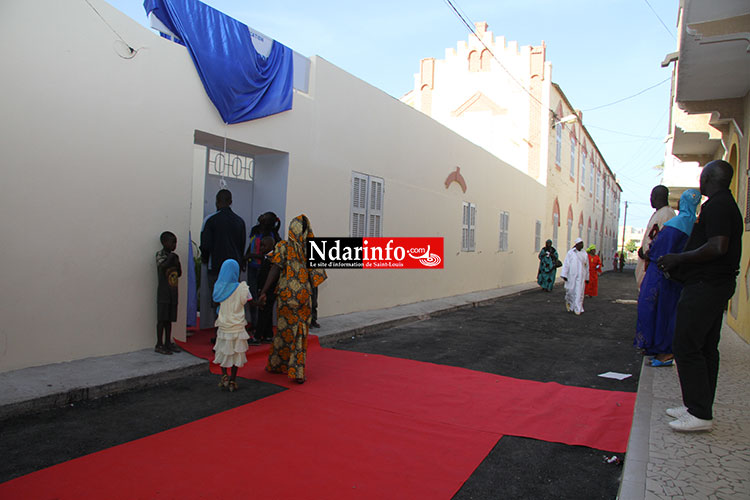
(659, 197)
(716, 176)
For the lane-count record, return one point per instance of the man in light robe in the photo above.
(575, 273)
(660, 202)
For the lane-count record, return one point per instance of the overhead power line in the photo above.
(630, 96)
(660, 20)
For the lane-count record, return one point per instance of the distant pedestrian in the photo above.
(595, 269)
(295, 281)
(264, 329)
(708, 267)
(168, 269)
(622, 261)
(657, 301)
(615, 261)
(660, 203)
(222, 238)
(575, 273)
(231, 337)
(548, 264)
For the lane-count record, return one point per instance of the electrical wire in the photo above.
(630, 96)
(662, 22)
(133, 52)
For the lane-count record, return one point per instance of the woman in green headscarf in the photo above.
(294, 289)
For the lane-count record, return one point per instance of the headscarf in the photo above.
(591, 248)
(228, 280)
(686, 218)
(300, 231)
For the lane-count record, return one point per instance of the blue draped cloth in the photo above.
(657, 301)
(242, 83)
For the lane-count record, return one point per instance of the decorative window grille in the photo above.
(367, 206)
(591, 180)
(558, 143)
(538, 236)
(503, 240)
(226, 164)
(598, 184)
(468, 227)
(570, 232)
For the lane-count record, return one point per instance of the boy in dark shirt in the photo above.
(264, 331)
(168, 270)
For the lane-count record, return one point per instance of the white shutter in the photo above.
(472, 226)
(359, 205)
(465, 228)
(375, 209)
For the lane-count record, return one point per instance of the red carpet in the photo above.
(363, 426)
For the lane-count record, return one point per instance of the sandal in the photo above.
(224, 382)
(233, 386)
(656, 363)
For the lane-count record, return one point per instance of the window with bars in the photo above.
(538, 236)
(558, 143)
(503, 239)
(570, 232)
(591, 178)
(468, 227)
(598, 179)
(367, 205)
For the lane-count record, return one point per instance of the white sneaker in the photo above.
(677, 412)
(690, 423)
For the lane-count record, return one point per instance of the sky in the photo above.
(601, 51)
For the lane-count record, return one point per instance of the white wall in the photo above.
(99, 160)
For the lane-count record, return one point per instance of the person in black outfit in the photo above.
(168, 270)
(222, 238)
(264, 331)
(708, 267)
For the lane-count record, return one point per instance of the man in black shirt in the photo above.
(708, 267)
(222, 238)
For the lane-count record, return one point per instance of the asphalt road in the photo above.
(529, 336)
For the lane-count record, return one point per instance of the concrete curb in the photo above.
(31, 403)
(633, 482)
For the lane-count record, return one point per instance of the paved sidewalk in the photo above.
(663, 464)
(660, 464)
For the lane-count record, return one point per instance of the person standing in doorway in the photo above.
(708, 268)
(222, 238)
(575, 273)
(660, 202)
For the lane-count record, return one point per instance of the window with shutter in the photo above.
(468, 222)
(538, 236)
(367, 205)
(503, 242)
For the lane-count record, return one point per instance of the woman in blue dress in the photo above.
(547, 267)
(657, 302)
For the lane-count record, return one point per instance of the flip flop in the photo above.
(656, 363)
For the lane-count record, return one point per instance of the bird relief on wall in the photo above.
(456, 177)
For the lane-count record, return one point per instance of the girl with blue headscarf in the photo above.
(231, 337)
(657, 301)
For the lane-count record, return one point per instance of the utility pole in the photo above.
(624, 222)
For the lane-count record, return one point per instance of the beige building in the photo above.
(711, 113)
(106, 148)
(502, 97)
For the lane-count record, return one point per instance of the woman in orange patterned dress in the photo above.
(294, 289)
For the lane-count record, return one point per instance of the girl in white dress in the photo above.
(231, 337)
